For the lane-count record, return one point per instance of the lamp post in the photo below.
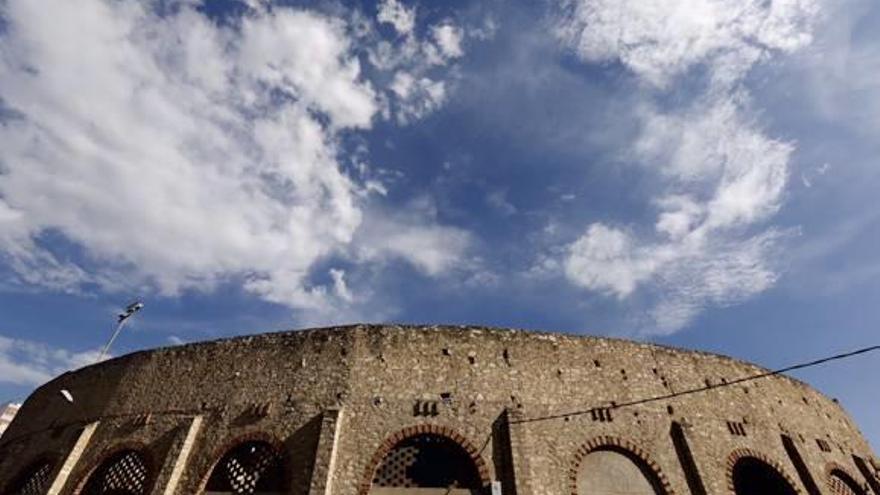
(123, 317)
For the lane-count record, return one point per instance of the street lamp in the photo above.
(123, 317)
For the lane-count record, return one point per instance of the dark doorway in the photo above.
(752, 476)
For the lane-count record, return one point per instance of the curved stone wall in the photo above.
(333, 404)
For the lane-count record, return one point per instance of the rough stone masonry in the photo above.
(389, 409)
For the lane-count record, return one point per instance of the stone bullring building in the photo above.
(405, 410)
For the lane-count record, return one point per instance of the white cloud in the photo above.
(720, 176)
(308, 57)
(416, 97)
(431, 248)
(448, 39)
(340, 287)
(398, 15)
(24, 362)
(727, 177)
(713, 150)
(180, 153)
(727, 270)
(660, 39)
(415, 88)
(605, 259)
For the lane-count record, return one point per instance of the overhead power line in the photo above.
(704, 388)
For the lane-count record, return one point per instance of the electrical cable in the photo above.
(673, 395)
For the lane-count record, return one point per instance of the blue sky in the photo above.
(697, 173)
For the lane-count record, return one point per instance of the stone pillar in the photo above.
(183, 449)
(76, 452)
(325, 453)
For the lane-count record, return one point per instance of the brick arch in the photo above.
(423, 429)
(251, 436)
(832, 466)
(623, 446)
(140, 447)
(738, 454)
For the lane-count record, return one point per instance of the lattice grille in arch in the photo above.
(124, 473)
(248, 468)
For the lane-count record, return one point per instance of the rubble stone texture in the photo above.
(389, 409)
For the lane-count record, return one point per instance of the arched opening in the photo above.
(33, 480)
(612, 471)
(253, 467)
(422, 464)
(843, 484)
(752, 476)
(123, 473)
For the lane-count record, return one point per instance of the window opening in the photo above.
(248, 468)
(428, 461)
(124, 473)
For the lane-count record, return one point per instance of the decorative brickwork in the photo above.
(254, 438)
(423, 429)
(840, 481)
(625, 447)
(738, 454)
(126, 468)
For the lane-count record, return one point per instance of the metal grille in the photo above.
(841, 484)
(393, 471)
(249, 468)
(123, 474)
(33, 481)
(427, 461)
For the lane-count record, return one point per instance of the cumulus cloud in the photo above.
(23, 362)
(398, 15)
(415, 96)
(721, 177)
(180, 153)
(659, 40)
(415, 87)
(604, 259)
(433, 249)
(448, 39)
(414, 235)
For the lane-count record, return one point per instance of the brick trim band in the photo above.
(622, 446)
(738, 454)
(422, 429)
(830, 469)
